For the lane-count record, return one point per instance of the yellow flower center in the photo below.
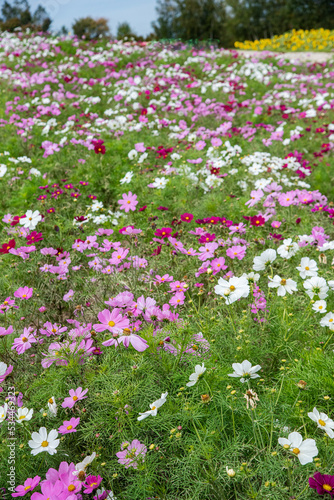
(321, 422)
(330, 320)
(69, 427)
(232, 288)
(111, 323)
(22, 417)
(45, 444)
(71, 487)
(24, 296)
(296, 451)
(153, 407)
(320, 307)
(283, 282)
(27, 487)
(75, 398)
(327, 487)
(24, 339)
(51, 401)
(307, 268)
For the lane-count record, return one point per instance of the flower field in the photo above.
(167, 285)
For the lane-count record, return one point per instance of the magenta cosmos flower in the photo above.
(23, 293)
(128, 202)
(323, 483)
(187, 217)
(75, 395)
(69, 426)
(131, 454)
(112, 321)
(126, 339)
(91, 483)
(27, 487)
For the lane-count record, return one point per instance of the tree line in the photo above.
(220, 21)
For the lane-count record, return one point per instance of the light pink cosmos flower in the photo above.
(178, 299)
(112, 321)
(131, 454)
(48, 251)
(256, 196)
(23, 293)
(200, 145)
(50, 490)
(140, 147)
(3, 330)
(75, 395)
(69, 426)
(24, 342)
(236, 252)
(4, 371)
(163, 279)
(128, 202)
(218, 265)
(68, 296)
(276, 224)
(27, 487)
(126, 339)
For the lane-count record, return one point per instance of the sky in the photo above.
(138, 13)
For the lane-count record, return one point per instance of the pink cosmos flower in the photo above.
(68, 296)
(128, 202)
(24, 342)
(216, 142)
(276, 224)
(187, 217)
(131, 454)
(140, 147)
(75, 395)
(91, 483)
(112, 321)
(4, 371)
(27, 487)
(24, 293)
(69, 426)
(178, 299)
(236, 252)
(50, 490)
(200, 145)
(256, 196)
(3, 330)
(218, 265)
(162, 279)
(52, 329)
(126, 339)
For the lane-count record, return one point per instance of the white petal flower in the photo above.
(316, 286)
(52, 406)
(3, 412)
(304, 450)
(127, 178)
(307, 268)
(288, 249)
(323, 422)
(266, 258)
(283, 285)
(328, 320)
(154, 407)
(23, 414)
(199, 370)
(245, 370)
(232, 290)
(31, 219)
(320, 306)
(42, 441)
(82, 466)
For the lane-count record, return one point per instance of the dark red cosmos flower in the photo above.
(143, 208)
(97, 351)
(323, 483)
(7, 246)
(80, 218)
(59, 250)
(99, 148)
(206, 238)
(51, 210)
(212, 220)
(298, 220)
(163, 232)
(257, 220)
(214, 170)
(276, 236)
(187, 217)
(143, 112)
(226, 222)
(33, 237)
(162, 208)
(156, 251)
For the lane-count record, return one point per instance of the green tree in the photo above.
(124, 31)
(90, 28)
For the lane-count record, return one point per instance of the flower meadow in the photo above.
(167, 285)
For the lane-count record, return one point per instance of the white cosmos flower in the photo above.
(160, 182)
(320, 306)
(199, 370)
(82, 466)
(23, 414)
(288, 249)
(3, 412)
(154, 407)
(307, 268)
(132, 154)
(52, 406)
(253, 277)
(42, 441)
(323, 422)
(127, 178)
(31, 219)
(304, 450)
(266, 257)
(316, 286)
(282, 285)
(3, 169)
(245, 370)
(233, 289)
(328, 320)
(331, 283)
